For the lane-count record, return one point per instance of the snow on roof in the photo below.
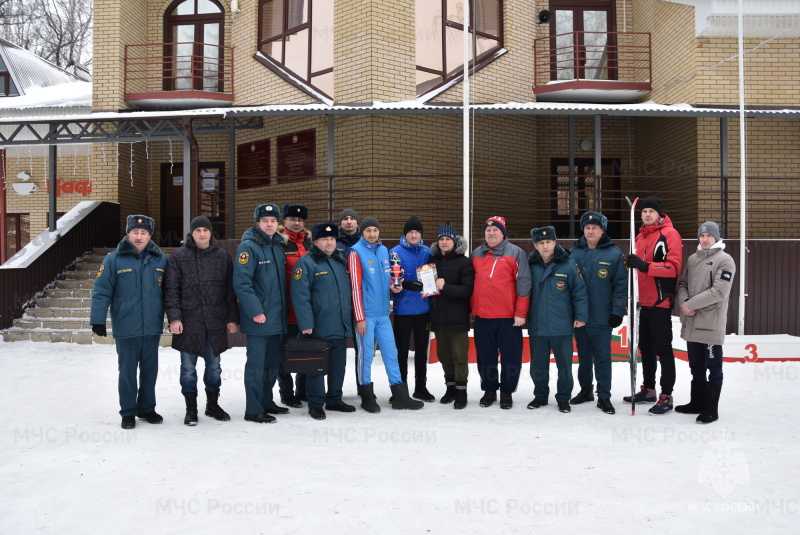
(25, 256)
(31, 71)
(649, 108)
(64, 95)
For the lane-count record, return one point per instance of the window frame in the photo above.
(475, 63)
(279, 65)
(171, 20)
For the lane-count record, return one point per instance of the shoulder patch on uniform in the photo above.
(244, 257)
(101, 270)
(298, 273)
(560, 285)
(602, 273)
(726, 276)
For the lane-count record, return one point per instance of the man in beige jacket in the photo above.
(704, 287)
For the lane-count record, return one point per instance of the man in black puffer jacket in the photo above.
(450, 311)
(201, 309)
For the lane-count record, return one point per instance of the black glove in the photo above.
(614, 320)
(99, 329)
(633, 261)
(414, 286)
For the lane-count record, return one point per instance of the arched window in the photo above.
(194, 33)
(440, 38)
(297, 36)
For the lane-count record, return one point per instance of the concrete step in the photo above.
(93, 259)
(54, 323)
(68, 336)
(60, 293)
(54, 312)
(74, 284)
(80, 275)
(64, 302)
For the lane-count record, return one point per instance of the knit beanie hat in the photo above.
(594, 218)
(447, 230)
(264, 210)
(652, 202)
(348, 212)
(711, 228)
(323, 230)
(200, 221)
(543, 233)
(140, 221)
(369, 222)
(496, 221)
(413, 223)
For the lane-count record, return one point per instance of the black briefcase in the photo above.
(306, 355)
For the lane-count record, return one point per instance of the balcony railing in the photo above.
(178, 70)
(592, 60)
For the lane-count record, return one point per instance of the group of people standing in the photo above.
(339, 281)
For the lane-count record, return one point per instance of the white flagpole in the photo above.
(743, 178)
(465, 130)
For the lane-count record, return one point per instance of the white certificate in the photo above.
(427, 276)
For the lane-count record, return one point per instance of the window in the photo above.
(195, 33)
(18, 233)
(583, 40)
(440, 39)
(297, 36)
(7, 88)
(577, 192)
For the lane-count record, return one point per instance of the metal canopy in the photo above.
(137, 126)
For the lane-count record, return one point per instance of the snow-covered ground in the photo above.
(68, 467)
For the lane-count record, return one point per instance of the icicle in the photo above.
(170, 155)
(74, 160)
(117, 159)
(30, 158)
(147, 148)
(104, 152)
(131, 165)
(3, 156)
(89, 163)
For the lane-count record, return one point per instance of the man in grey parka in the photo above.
(704, 287)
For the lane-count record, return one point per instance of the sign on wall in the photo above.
(252, 160)
(297, 156)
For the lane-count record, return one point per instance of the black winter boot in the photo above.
(191, 409)
(461, 395)
(695, 405)
(710, 406)
(402, 400)
(506, 400)
(450, 393)
(213, 409)
(368, 402)
(583, 396)
(489, 397)
(421, 391)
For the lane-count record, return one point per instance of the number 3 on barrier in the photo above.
(753, 356)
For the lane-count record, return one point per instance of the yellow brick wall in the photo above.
(673, 46)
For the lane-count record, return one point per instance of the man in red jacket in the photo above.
(658, 259)
(500, 301)
(296, 243)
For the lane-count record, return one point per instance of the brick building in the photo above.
(358, 103)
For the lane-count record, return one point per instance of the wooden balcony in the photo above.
(176, 76)
(595, 67)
